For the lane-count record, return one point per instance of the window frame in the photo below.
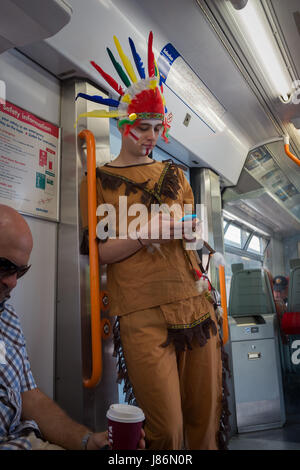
(243, 251)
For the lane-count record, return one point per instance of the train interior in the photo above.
(232, 83)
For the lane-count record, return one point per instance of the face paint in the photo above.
(135, 135)
(145, 138)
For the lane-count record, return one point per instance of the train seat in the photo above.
(294, 286)
(290, 323)
(250, 292)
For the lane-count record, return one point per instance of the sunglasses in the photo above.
(7, 268)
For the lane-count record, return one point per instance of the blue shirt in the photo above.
(15, 378)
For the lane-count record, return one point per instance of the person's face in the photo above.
(142, 137)
(18, 254)
(281, 294)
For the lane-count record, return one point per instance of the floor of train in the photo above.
(285, 438)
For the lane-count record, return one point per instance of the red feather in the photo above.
(151, 66)
(147, 101)
(109, 79)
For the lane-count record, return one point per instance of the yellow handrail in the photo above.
(223, 303)
(96, 335)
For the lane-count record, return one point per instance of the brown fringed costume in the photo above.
(166, 334)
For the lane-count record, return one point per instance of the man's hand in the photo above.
(142, 444)
(99, 440)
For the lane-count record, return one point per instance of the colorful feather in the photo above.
(101, 113)
(119, 69)
(126, 98)
(126, 61)
(108, 79)
(151, 66)
(138, 61)
(99, 99)
(157, 74)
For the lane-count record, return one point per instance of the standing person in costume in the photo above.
(166, 334)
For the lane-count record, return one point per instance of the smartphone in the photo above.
(188, 217)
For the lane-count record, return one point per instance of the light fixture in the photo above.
(264, 48)
(239, 4)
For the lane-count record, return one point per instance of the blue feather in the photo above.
(99, 99)
(137, 60)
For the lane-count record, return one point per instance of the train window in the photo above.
(242, 245)
(233, 236)
(255, 244)
(245, 238)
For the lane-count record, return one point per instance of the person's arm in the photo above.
(114, 250)
(55, 425)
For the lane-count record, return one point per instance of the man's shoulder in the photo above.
(10, 312)
(10, 319)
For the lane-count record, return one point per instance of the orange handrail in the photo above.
(94, 262)
(286, 141)
(223, 303)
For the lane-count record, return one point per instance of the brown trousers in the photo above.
(180, 393)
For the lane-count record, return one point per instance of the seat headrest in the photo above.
(294, 263)
(237, 267)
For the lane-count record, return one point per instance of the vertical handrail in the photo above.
(94, 262)
(223, 303)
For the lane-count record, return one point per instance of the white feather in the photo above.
(218, 259)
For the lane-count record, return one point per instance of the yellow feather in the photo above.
(126, 98)
(100, 113)
(158, 74)
(125, 60)
(153, 84)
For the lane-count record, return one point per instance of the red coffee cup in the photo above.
(124, 426)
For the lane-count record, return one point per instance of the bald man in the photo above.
(29, 420)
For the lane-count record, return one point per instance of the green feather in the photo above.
(119, 69)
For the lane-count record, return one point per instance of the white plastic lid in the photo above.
(125, 413)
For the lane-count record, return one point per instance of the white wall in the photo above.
(32, 88)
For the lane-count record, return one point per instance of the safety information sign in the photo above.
(29, 162)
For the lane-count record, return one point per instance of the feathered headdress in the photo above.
(142, 99)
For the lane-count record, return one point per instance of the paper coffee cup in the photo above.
(124, 426)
